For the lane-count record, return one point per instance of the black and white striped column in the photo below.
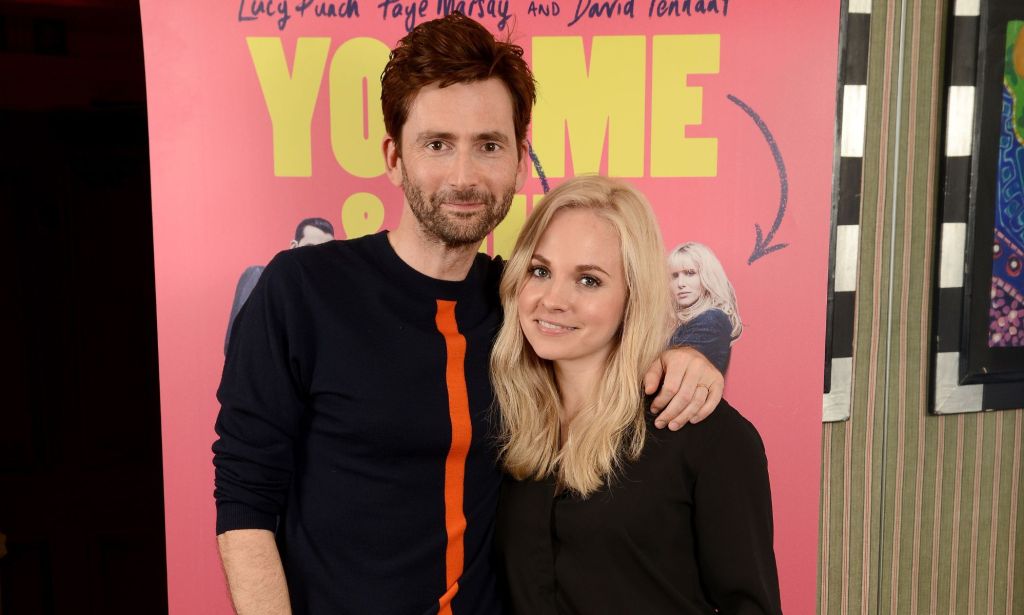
(948, 395)
(852, 105)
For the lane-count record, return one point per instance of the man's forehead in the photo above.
(498, 136)
(465, 112)
(486, 103)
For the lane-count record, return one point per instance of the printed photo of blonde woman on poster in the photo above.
(705, 303)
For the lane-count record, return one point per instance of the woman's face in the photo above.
(572, 303)
(685, 282)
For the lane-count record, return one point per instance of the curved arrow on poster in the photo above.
(540, 170)
(763, 243)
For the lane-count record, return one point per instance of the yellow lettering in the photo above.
(674, 106)
(506, 233)
(362, 214)
(290, 97)
(501, 241)
(357, 124)
(606, 99)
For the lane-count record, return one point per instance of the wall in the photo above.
(919, 513)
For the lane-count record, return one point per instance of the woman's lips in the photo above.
(553, 328)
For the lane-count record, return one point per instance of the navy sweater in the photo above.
(710, 332)
(354, 423)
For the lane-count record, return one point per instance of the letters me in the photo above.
(606, 98)
(603, 100)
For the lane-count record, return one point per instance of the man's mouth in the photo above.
(464, 207)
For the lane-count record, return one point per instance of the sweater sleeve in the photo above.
(711, 334)
(263, 401)
(733, 524)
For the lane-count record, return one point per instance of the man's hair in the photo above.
(611, 428)
(319, 223)
(453, 49)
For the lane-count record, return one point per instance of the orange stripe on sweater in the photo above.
(455, 462)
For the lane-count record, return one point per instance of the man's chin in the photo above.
(465, 230)
(462, 240)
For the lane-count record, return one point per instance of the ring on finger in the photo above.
(707, 389)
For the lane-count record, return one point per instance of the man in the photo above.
(355, 398)
(310, 232)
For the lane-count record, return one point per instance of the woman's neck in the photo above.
(685, 315)
(576, 385)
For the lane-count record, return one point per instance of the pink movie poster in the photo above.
(266, 113)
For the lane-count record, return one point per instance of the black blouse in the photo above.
(687, 528)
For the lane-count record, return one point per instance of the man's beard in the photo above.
(457, 229)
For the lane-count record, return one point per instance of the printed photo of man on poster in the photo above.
(309, 232)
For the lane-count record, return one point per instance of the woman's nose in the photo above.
(555, 297)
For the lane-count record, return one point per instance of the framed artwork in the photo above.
(979, 318)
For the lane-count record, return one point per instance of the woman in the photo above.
(601, 513)
(705, 303)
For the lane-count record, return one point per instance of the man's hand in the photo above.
(691, 387)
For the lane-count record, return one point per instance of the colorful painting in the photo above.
(1006, 311)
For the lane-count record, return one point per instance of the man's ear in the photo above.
(523, 170)
(392, 160)
(293, 244)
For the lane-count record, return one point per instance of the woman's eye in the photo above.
(538, 272)
(590, 281)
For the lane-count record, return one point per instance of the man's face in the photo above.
(460, 164)
(312, 236)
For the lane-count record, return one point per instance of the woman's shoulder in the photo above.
(728, 422)
(710, 324)
(713, 316)
(711, 321)
(726, 429)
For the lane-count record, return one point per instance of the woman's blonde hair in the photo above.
(718, 292)
(611, 424)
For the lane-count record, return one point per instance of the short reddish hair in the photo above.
(449, 50)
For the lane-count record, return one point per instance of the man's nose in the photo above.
(464, 172)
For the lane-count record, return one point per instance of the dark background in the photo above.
(81, 500)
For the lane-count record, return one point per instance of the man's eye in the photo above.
(538, 272)
(435, 146)
(491, 147)
(590, 281)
